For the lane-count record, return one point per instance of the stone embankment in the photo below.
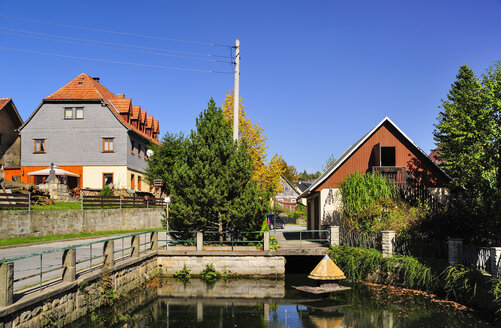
(15, 223)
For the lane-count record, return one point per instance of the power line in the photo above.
(115, 32)
(116, 61)
(111, 47)
(110, 43)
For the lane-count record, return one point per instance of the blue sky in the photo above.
(316, 74)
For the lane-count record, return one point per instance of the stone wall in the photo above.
(15, 223)
(233, 288)
(233, 263)
(66, 302)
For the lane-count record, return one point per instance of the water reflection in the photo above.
(272, 303)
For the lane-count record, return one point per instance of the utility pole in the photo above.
(236, 96)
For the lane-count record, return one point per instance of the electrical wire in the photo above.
(115, 61)
(109, 43)
(115, 32)
(112, 47)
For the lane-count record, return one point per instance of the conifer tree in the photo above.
(212, 186)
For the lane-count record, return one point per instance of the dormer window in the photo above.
(73, 113)
(132, 147)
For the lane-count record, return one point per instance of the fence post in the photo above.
(69, 263)
(266, 241)
(455, 250)
(109, 253)
(29, 201)
(6, 283)
(81, 201)
(334, 236)
(120, 198)
(200, 241)
(387, 243)
(134, 243)
(154, 240)
(496, 261)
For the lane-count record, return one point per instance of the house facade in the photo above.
(86, 129)
(10, 143)
(384, 149)
(287, 197)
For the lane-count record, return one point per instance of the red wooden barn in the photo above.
(386, 150)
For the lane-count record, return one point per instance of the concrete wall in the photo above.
(42, 223)
(8, 126)
(66, 302)
(234, 262)
(12, 156)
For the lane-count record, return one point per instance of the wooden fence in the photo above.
(89, 202)
(16, 199)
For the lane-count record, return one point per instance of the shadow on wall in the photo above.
(332, 208)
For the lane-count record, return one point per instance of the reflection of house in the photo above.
(85, 129)
(287, 197)
(10, 144)
(386, 150)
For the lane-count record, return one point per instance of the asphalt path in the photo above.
(26, 270)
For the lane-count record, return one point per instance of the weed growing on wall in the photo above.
(183, 274)
(210, 274)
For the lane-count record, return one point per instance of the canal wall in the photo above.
(66, 302)
(15, 223)
(77, 295)
(238, 263)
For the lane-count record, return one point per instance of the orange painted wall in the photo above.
(9, 172)
(406, 155)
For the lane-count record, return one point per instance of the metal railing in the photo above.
(88, 256)
(93, 202)
(478, 257)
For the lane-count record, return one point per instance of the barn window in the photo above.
(387, 156)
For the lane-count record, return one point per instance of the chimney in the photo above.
(95, 78)
(121, 95)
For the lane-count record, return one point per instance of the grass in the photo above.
(58, 206)
(29, 240)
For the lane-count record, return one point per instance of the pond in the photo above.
(272, 303)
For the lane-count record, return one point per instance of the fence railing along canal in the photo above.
(34, 272)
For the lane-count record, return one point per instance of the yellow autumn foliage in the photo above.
(267, 174)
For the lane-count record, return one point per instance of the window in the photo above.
(107, 179)
(68, 113)
(39, 145)
(79, 113)
(108, 145)
(132, 181)
(71, 113)
(132, 147)
(387, 156)
(139, 151)
(138, 182)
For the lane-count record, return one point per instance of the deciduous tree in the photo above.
(266, 174)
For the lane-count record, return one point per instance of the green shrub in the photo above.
(183, 274)
(210, 274)
(371, 203)
(106, 191)
(496, 291)
(409, 272)
(356, 262)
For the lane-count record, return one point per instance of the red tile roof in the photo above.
(4, 101)
(149, 122)
(143, 116)
(156, 127)
(122, 105)
(86, 88)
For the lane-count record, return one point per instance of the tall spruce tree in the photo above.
(464, 134)
(211, 186)
(468, 138)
